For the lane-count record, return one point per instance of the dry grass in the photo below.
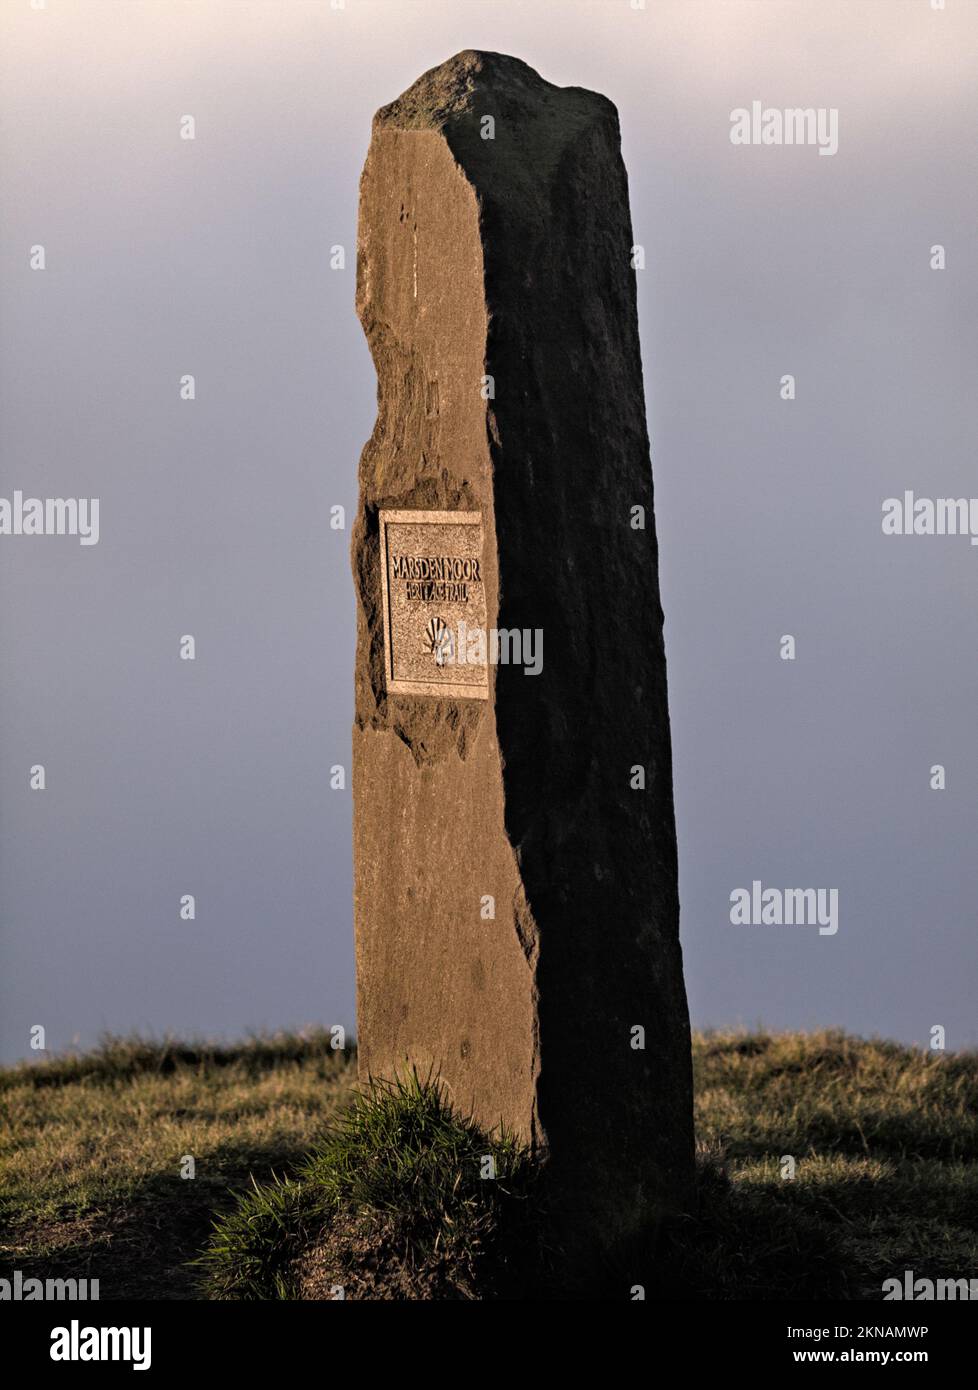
(885, 1143)
(91, 1152)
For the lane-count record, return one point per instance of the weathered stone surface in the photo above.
(509, 258)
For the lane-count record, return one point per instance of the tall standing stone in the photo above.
(514, 839)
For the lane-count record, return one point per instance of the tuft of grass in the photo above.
(397, 1198)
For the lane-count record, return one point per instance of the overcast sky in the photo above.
(210, 257)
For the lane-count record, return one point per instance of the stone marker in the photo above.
(514, 839)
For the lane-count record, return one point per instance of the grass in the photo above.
(92, 1150)
(885, 1143)
(396, 1197)
(301, 1186)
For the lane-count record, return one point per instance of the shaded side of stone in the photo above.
(570, 456)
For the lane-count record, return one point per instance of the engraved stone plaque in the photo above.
(434, 598)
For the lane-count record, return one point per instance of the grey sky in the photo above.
(211, 257)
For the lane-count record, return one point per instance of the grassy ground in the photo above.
(884, 1142)
(91, 1152)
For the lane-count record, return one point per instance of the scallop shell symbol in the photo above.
(439, 639)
